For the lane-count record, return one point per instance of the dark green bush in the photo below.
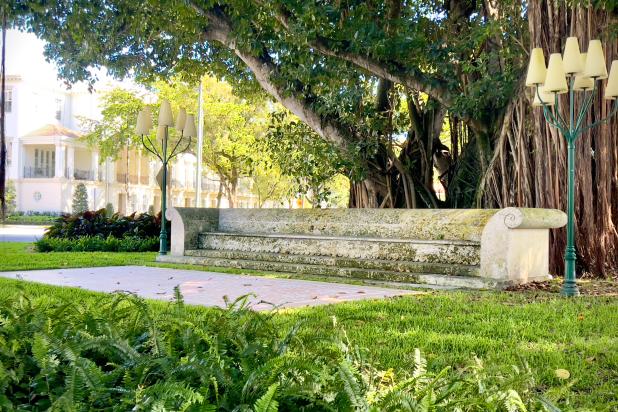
(98, 223)
(97, 244)
(23, 219)
(117, 353)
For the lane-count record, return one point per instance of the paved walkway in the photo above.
(206, 288)
(21, 233)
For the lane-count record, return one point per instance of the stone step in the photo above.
(376, 264)
(431, 251)
(413, 279)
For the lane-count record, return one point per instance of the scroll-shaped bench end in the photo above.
(515, 244)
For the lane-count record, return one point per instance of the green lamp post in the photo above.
(570, 73)
(185, 125)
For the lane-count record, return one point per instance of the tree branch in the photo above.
(264, 70)
(386, 70)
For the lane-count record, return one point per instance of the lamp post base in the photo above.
(569, 290)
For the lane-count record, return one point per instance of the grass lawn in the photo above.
(503, 328)
(22, 256)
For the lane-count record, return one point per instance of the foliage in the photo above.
(544, 330)
(109, 209)
(301, 155)
(231, 127)
(97, 223)
(10, 197)
(120, 353)
(268, 184)
(17, 219)
(80, 199)
(98, 244)
(114, 131)
(346, 69)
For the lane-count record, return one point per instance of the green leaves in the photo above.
(303, 156)
(118, 352)
(267, 402)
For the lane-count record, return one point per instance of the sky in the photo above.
(24, 56)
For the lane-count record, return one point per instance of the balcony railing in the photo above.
(210, 185)
(121, 177)
(34, 172)
(133, 179)
(177, 183)
(79, 174)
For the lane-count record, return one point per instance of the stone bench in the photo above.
(476, 248)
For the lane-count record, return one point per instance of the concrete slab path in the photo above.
(206, 288)
(21, 233)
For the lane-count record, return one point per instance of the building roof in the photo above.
(53, 130)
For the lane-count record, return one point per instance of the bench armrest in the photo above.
(187, 224)
(515, 244)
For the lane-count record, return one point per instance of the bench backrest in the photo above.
(436, 224)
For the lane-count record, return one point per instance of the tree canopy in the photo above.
(346, 69)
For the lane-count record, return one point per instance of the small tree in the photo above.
(80, 199)
(109, 210)
(10, 198)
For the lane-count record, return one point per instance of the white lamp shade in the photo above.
(144, 121)
(595, 61)
(555, 81)
(139, 123)
(536, 68)
(572, 59)
(160, 134)
(189, 129)
(165, 114)
(181, 119)
(611, 89)
(547, 98)
(582, 82)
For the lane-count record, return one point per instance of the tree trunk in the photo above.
(220, 194)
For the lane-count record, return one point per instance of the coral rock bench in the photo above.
(473, 248)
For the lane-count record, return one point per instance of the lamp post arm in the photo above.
(561, 121)
(187, 146)
(549, 116)
(174, 154)
(173, 151)
(153, 151)
(602, 121)
(582, 112)
(584, 109)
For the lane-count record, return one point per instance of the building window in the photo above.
(8, 100)
(58, 109)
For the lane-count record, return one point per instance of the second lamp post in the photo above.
(185, 125)
(570, 73)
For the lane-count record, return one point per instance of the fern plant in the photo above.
(119, 353)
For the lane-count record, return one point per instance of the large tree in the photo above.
(378, 79)
(374, 78)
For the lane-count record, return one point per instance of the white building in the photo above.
(47, 159)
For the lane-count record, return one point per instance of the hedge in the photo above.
(98, 244)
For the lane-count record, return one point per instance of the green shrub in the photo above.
(22, 219)
(97, 244)
(109, 210)
(98, 223)
(118, 353)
